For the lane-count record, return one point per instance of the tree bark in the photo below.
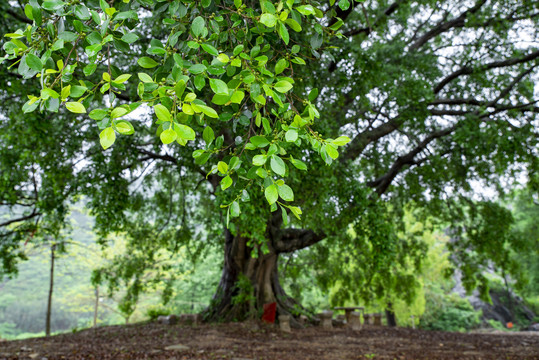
(96, 307)
(49, 301)
(248, 282)
(390, 315)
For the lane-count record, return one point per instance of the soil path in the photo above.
(244, 341)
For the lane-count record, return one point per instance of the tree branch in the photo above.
(444, 26)
(467, 70)
(296, 239)
(19, 17)
(382, 183)
(367, 30)
(23, 218)
(360, 142)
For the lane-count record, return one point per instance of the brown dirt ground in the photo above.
(244, 341)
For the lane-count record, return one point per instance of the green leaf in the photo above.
(208, 111)
(53, 5)
(222, 167)
(76, 107)
(77, 91)
(122, 78)
(296, 211)
(272, 194)
(89, 69)
(179, 88)
(34, 62)
(124, 127)
(197, 69)
(341, 140)
(332, 151)
(268, 19)
(184, 132)
(219, 86)
(197, 26)
(259, 141)
(286, 193)
(235, 209)
(210, 49)
(208, 135)
(262, 173)
(298, 164)
(259, 160)
(277, 165)
(234, 164)
(82, 13)
(223, 58)
(118, 112)
(49, 93)
(145, 78)
(291, 135)
(226, 182)
(305, 9)
(237, 97)
(107, 138)
(294, 25)
(168, 136)
(283, 33)
(130, 38)
(283, 86)
(66, 91)
(280, 66)
(162, 113)
(98, 114)
(238, 49)
(147, 62)
(344, 4)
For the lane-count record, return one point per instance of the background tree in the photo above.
(436, 97)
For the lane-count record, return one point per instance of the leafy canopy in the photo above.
(222, 62)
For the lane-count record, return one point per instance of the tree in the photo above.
(435, 97)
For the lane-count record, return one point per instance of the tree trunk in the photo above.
(96, 307)
(390, 315)
(247, 282)
(49, 301)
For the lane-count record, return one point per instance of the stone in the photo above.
(377, 319)
(168, 319)
(191, 319)
(354, 321)
(33, 356)
(325, 319)
(367, 319)
(284, 323)
(177, 347)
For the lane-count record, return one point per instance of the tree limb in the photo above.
(444, 26)
(360, 142)
(296, 239)
(23, 218)
(19, 17)
(382, 183)
(467, 70)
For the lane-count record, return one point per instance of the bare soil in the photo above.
(244, 341)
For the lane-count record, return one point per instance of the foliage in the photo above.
(452, 314)
(240, 92)
(200, 51)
